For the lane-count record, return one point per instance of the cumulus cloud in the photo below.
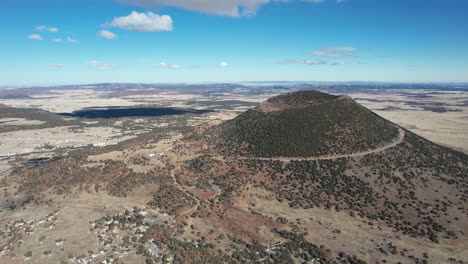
(57, 40)
(107, 34)
(143, 22)
(35, 37)
(56, 65)
(100, 65)
(223, 64)
(305, 62)
(344, 48)
(69, 39)
(45, 28)
(165, 65)
(234, 8)
(331, 55)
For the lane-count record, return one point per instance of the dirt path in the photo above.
(188, 211)
(399, 140)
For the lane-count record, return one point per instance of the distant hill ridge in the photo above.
(304, 124)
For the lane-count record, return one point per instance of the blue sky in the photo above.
(52, 42)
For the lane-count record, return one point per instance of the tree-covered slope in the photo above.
(303, 124)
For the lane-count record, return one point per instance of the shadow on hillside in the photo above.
(132, 112)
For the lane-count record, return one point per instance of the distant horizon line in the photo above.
(242, 82)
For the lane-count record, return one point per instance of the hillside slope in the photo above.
(317, 150)
(304, 124)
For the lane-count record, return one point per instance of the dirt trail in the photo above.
(188, 211)
(399, 140)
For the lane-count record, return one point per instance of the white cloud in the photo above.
(344, 48)
(69, 39)
(161, 64)
(56, 65)
(93, 63)
(145, 61)
(57, 40)
(234, 8)
(35, 37)
(107, 34)
(331, 55)
(100, 65)
(165, 65)
(305, 62)
(341, 63)
(143, 22)
(45, 28)
(223, 64)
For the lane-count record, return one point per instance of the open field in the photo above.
(440, 116)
